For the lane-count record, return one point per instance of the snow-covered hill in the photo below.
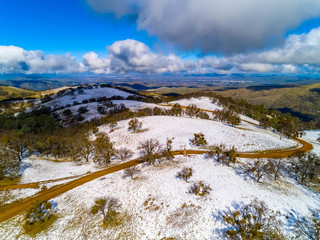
(157, 205)
(183, 128)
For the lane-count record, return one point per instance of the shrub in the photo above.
(39, 212)
(130, 172)
(39, 217)
(167, 152)
(82, 110)
(305, 166)
(176, 110)
(203, 115)
(192, 110)
(9, 163)
(200, 189)
(185, 174)
(308, 227)
(134, 125)
(67, 113)
(124, 154)
(253, 221)
(108, 207)
(103, 149)
(199, 140)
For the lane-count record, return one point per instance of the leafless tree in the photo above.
(124, 154)
(150, 151)
(130, 172)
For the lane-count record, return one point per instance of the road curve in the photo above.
(10, 210)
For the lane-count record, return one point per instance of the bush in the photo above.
(308, 227)
(134, 125)
(200, 189)
(39, 212)
(124, 154)
(199, 140)
(176, 110)
(130, 172)
(9, 163)
(108, 207)
(185, 174)
(39, 217)
(253, 221)
(167, 152)
(103, 149)
(82, 110)
(305, 166)
(192, 110)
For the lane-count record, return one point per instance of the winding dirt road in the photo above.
(10, 210)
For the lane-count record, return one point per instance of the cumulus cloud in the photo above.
(132, 56)
(231, 26)
(95, 64)
(17, 60)
(298, 54)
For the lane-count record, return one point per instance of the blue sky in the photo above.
(61, 26)
(197, 36)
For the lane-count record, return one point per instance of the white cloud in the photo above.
(231, 26)
(95, 64)
(300, 53)
(17, 60)
(134, 56)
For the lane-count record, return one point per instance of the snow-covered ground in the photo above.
(38, 169)
(95, 92)
(182, 130)
(158, 204)
(202, 103)
(312, 136)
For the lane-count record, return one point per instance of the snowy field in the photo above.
(312, 136)
(182, 130)
(202, 103)
(158, 205)
(86, 95)
(38, 169)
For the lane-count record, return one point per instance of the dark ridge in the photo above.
(271, 86)
(317, 90)
(135, 86)
(226, 89)
(301, 116)
(171, 94)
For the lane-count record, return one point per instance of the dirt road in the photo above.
(10, 210)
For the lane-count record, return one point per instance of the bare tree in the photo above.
(305, 166)
(258, 170)
(150, 150)
(192, 110)
(130, 172)
(253, 221)
(124, 153)
(308, 227)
